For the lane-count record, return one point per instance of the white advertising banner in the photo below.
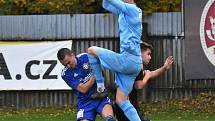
(31, 65)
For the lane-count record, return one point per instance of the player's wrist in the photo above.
(165, 67)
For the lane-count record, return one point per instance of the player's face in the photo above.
(146, 56)
(69, 61)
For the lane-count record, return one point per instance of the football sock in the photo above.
(129, 111)
(97, 71)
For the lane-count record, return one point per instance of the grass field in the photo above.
(181, 117)
(200, 108)
(68, 114)
(40, 114)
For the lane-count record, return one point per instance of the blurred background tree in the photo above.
(150, 6)
(26, 7)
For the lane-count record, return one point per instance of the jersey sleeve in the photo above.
(108, 6)
(71, 81)
(117, 6)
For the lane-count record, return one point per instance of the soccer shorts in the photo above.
(95, 107)
(125, 65)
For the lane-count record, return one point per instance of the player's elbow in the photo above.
(139, 85)
(82, 89)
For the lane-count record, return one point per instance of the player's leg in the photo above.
(129, 66)
(118, 62)
(96, 62)
(124, 63)
(107, 113)
(126, 106)
(133, 99)
(120, 116)
(106, 110)
(97, 71)
(125, 83)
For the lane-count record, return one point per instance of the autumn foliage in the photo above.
(26, 7)
(204, 103)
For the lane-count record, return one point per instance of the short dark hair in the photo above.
(62, 53)
(144, 46)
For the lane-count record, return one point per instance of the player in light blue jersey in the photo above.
(77, 74)
(126, 64)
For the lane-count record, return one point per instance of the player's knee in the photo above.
(92, 50)
(120, 96)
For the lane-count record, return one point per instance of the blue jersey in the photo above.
(130, 24)
(80, 74)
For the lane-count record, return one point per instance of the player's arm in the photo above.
(84, 87)
(108, 6)
(149, 75)
(76, 83)
(117, 6)
(166, 66)
(152, 74)
(141, 83)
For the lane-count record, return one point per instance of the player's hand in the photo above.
(168, 62)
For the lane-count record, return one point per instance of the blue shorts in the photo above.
(125, 65)
(90, 111)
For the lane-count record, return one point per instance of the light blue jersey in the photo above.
(130, 24)
(127, 63)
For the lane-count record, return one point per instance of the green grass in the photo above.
(69, 114)
(40, 114)
(181, 117)
(200, 108)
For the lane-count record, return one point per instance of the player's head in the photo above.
(66, 57)
(146, 51)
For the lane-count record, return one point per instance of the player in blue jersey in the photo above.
(77, 74)
(126, 64)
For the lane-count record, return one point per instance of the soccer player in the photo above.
(141, 80)
(126, 64)
(77, 74)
